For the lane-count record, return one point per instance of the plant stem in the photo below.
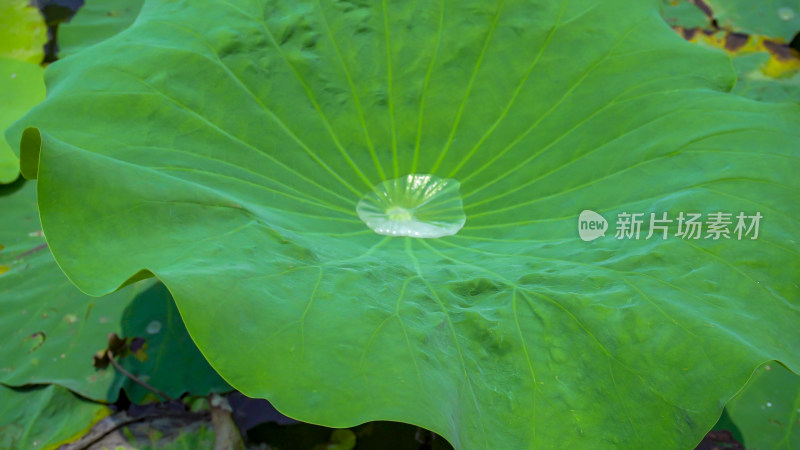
(136, 380)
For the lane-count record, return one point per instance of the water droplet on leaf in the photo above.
(417, 205)
(786, 13)
(153, 327)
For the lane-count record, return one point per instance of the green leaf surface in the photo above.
(21, 88)
(44, 417)
(226, 153)
(768, 410)
(22, 31)
(96, 21)
(773, 18)
(49, 330)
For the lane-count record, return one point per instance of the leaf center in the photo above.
(416, 205)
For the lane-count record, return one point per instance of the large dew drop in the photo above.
(417, 205)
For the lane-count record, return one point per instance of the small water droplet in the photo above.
(786, 13)
(13, 75)
(416, 205)
(153, 327)
(769, 404)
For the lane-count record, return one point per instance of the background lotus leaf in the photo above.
(21, 88)
(96, 21)
(685, 13)
(768, 411)
(22, 31)
(768, 69)
(773, 18)
(49, 330)
(44, 417)
(753, 83)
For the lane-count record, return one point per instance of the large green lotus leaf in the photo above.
(49, 330)
(44, 417)
(773, 18)
(226, 154)
(22, 31)
(96, 21)
(768, 411)
(21, 88)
